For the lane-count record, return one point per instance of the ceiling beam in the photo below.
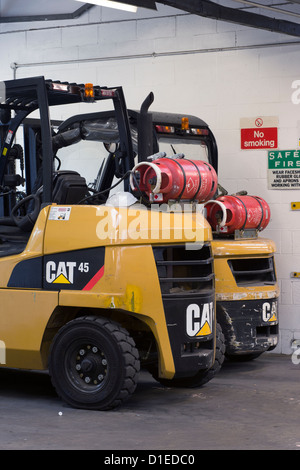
(149, 4)
(205, 8)
(268, 7)
(53, 17)
(215, 11)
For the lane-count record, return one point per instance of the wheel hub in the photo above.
(91, 364)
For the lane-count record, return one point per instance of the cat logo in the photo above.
(199, 319)
(60, 273)
(269, 312)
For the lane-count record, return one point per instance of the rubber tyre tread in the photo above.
(126, 350)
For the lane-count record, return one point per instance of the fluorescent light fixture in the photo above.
(112, 4)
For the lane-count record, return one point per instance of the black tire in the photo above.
(202, 377)
(94, 363)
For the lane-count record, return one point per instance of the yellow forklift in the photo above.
(247, 290)
(87, 289)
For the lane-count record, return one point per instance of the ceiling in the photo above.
(273, 15)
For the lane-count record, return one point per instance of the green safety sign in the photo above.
(284, 169)
(284, 159)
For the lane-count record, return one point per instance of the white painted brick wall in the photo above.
(79, 36)
(219, 86)
(160, 28)
(114, 33)
(44, 39)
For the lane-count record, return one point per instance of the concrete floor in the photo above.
(254, 405)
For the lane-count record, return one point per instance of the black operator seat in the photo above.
(68, 188)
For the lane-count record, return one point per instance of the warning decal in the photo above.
(259, 133)
(60, 213)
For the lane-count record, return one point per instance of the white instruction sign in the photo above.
(59, 213)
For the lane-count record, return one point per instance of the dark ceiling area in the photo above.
(279, 16)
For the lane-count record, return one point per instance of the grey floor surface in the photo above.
(247, 406)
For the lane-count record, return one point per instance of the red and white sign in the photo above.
(259, 133)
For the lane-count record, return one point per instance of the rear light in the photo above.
(199, 131)
(181, 131)
(60, 87)
(107, 92)
(165, 129)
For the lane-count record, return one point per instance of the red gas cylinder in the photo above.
(176, 178)
(242, 212)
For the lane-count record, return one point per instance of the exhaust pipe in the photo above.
(145, 130)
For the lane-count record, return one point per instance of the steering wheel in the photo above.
(27, 221)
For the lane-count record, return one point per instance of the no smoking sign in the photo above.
(259, 133)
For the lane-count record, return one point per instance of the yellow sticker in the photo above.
(273, 318)
(4, 151)
(61, 279)
(205, 330)
(295, 206)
